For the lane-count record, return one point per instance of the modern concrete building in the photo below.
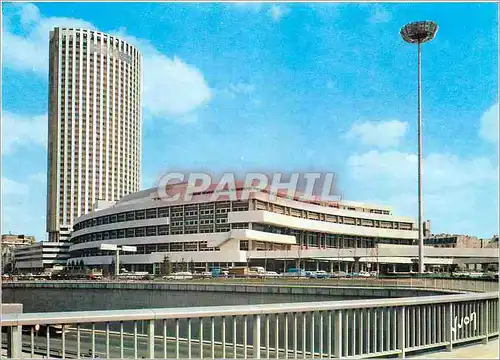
(94, 146)
(8, 244)
(206, 232)
(41, 256)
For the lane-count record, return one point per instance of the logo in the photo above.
(307, 186)
(464, 321)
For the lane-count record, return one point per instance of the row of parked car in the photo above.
(262, 273)
(339, 274)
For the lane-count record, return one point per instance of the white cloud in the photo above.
(440, 171)
(23, 207)
(23, 131)
(381, 134)
(12, 187)
(380, 16)
(174, 87)
(31, 52)
(171, 86)
(277, 12)
(29, 14)
(460, 194)
(489, 124)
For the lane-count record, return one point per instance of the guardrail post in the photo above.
(151, 338)
(256, 337)
(486, 323)
(14, 333)
(448, 326)
(14, 342)
(337, 330)
(401, 336)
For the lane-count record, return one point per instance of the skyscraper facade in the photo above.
(95, 118)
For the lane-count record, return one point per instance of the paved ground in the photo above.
(489, 351)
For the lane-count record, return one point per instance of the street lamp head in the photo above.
(419, 31)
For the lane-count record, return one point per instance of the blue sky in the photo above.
(281, 87)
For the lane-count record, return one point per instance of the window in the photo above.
(140, 231)
(130, 233)
(151, 231)
(163, 230)
(140, 214)
(130, 216)
(150, 213)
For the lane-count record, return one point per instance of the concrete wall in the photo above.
(348, 291)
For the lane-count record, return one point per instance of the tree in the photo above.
(82, 265)
(166, 268)
(191, 266)
(111, 268)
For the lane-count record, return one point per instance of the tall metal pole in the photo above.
(421, 264)
(419, 32)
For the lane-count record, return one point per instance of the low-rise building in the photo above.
(453, 241)
(9, 243)
(491, 243)
(41, 256)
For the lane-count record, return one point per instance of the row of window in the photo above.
(174, 212)
(449, 240)
(142, 231)
(150, 249)
(315, 239)
(272, 207)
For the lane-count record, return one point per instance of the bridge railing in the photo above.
(359, 328)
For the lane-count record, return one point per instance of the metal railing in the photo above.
(360, 328)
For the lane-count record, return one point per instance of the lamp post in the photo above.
(418, 33)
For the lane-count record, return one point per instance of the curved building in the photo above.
(208, 232)
(94, 146)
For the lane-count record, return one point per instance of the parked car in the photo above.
(183, 275)
(271, 274)
(294, 273)
(206, 274)
(311, 274)
(322, 274)
(338, 274)
(360, 274)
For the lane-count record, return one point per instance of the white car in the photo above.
(206, 274)
(185, 275)
(364, 274)
(271, 274)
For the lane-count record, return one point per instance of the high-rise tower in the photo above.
(94, 147)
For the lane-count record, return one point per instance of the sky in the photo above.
(281, 87)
